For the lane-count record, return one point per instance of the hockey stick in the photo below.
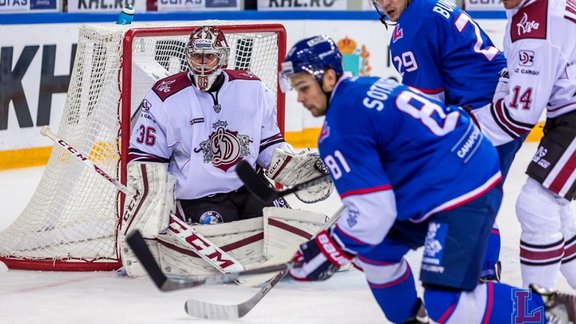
(178, 282)
(263, 191)
(213, 311)
(203, 247)
(231, 312)
(48, 133)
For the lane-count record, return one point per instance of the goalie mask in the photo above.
(207, 53)
(312, 55)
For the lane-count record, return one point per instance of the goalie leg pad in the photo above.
(148, 210)
(130, 262)
(242, 240)
(287, 228)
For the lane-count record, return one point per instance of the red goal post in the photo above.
(71, 222)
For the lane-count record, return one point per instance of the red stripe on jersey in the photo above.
(499, 109)
(560, 180)
(365, 191)
(447, 314)
(375, 262)
(395, 282)
(459, 201)
(430, 91)
(489, 303)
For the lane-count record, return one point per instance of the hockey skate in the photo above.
(560, 307)
(421, 316)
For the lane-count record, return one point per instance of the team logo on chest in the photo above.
(324, 132)
(224, 148)
(397, 33)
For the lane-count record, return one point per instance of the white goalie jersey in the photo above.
(541, 65)
(203, 135)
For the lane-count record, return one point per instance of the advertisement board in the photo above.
(199, 5)
(483, 5)
(302, 5)
(105, 5)
(33, 6)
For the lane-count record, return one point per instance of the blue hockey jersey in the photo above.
(381, 135)
(440, 50)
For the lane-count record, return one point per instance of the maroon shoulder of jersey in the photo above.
(168, 86)
(240, 75)
(530, 22)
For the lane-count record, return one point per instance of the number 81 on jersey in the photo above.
(336, 163)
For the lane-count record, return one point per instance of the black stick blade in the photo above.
(254, 183)
(142, 252)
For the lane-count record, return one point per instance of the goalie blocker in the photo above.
(248, 242)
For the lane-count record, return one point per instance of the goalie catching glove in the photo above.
(319, 258)
(291, 169)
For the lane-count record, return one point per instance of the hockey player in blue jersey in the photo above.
(443, 52)
(411, 172)
(440, 50)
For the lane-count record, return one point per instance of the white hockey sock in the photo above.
(568, 267)
(541, 240)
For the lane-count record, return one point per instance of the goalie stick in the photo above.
(177, 282)
(207, 310)
(203, 247)
(259, 188)
(48, 133)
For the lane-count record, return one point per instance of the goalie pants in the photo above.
(221, 208)
(553, 164)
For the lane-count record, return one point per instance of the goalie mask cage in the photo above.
(72, 220)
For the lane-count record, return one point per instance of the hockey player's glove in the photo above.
(502, 87)
(319, 258)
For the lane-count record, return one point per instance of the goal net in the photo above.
(71, 222)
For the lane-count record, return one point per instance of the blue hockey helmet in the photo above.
(313, 55)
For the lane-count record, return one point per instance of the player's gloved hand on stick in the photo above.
(319, 258)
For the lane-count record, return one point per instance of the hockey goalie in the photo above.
(192, 129)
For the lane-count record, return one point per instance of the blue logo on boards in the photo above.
(220, 3)
(43, 4)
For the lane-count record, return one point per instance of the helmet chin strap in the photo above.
(383, 16)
